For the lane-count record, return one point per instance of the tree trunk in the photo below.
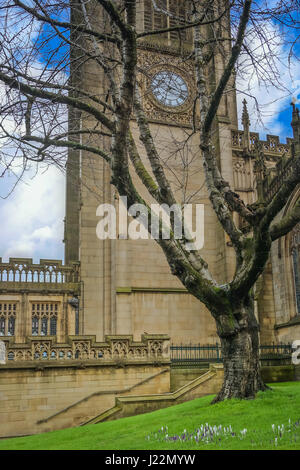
(240, 351)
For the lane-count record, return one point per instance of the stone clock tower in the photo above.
(127, 286)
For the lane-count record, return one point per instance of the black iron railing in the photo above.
(196, 355)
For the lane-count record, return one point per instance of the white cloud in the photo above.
(274, 97)
(32, 215)
(33, 218)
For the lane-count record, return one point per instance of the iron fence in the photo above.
(196, 355)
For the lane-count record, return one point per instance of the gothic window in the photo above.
(77, 321)
(53, 323)
(153, 19)
(44, 326)
(8, 313)
(35, 325)
(295, 253)
(44, 318)
(176, 13)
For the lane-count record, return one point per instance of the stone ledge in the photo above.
(45, 288)
(292, 322)
(157, 290)
(39, 365)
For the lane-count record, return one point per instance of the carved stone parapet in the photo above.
(85, 348)
(271, 146)
(273, 182)
(21, 274)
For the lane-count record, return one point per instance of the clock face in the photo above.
(169, 88)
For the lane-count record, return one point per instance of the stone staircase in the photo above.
(84, 409)
(131, 405)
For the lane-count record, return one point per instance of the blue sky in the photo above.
(32, 216)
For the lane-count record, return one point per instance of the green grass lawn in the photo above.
(273, 407)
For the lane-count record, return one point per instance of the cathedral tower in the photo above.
(127, 286)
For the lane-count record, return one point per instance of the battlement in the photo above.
(272, 161)
(271, 147)
(280, 158)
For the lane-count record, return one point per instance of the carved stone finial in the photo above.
(260, 170)
(296, 126)
(246, 127)
(245, 115)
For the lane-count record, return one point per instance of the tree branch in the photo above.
(286, 224)
(65, 24)
(15, 84)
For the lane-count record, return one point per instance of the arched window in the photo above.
(295, 254)
(165, 14)
(44, 318)
(8, 313)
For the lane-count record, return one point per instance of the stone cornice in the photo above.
(156, 290)
(292, 322)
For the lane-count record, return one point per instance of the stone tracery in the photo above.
(295, 253)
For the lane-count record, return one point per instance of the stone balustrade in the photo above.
(21, 273)
(115, 348)
(275, 180)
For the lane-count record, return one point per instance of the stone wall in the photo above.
(288, 332)
(271, 374)
(65, 395)
(180, 376)
(46, 386)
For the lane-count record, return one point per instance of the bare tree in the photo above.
(45, 46)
